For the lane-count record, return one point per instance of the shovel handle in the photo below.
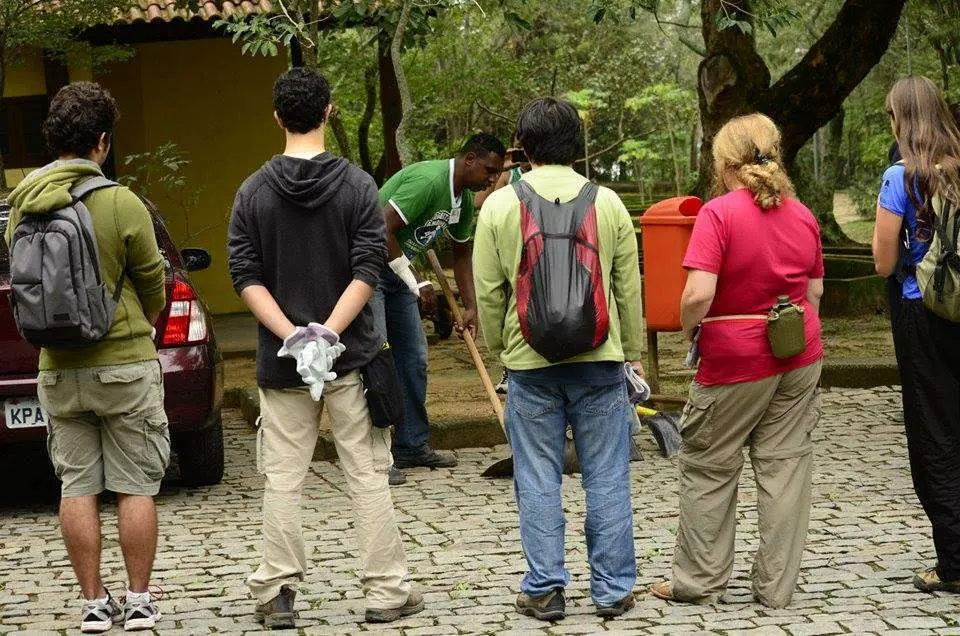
(468, 338)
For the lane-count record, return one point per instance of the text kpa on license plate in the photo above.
(24, 413)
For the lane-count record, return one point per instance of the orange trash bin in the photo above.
(666, 228)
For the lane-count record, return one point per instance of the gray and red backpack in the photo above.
(561, 302)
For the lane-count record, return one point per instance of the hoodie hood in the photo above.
(306, 182)
(48, 188)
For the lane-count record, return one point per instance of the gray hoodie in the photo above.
(305, 229)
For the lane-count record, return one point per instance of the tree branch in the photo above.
(406, 102)
(486, 109)
(810, 94)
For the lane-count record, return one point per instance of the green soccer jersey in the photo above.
(422, 194)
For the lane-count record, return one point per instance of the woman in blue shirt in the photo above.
(927, 346)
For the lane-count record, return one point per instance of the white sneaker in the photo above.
(99, 616)
(139, 615)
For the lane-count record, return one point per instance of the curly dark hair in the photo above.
(300, 97)
(79, 114)
(482, 144)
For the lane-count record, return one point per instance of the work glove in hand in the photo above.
(315, 364)
(401, 267)
(637, 388)
(315, 348)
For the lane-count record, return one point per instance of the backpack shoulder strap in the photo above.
(87, 186)
(81, 190)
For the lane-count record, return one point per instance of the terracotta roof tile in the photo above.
(165, 11)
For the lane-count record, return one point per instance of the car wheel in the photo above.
(200, 456)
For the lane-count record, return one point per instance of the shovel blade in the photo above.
(666, 430)
(500, 469)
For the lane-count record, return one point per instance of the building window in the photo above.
(21, 136)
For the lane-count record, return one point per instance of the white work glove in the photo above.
(401, 267)
(315, 364)
(315, 348)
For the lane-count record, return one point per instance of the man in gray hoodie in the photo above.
(306, 244)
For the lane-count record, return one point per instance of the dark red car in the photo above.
(191, 362)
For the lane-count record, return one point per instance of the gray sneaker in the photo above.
(99, 616)
(413, 605)
(139, 615)
(395, 476)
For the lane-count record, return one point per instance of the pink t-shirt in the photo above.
(757, 256)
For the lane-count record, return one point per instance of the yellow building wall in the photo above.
(216, 105)
(26, 77)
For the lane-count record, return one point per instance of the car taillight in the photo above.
(186, 322)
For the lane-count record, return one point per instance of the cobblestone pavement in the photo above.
(868, 535)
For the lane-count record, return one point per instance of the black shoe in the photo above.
(428, 459)
(395, 476)
(619, 608)
(277, 613)
(549, 607)
(501, 387)
(413, 605)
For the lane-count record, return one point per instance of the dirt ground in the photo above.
(454, 391)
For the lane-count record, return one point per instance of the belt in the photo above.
(736, 317)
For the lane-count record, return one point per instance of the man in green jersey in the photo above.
(421, 202)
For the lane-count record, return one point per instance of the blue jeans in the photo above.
(592, 398)
(396, 315)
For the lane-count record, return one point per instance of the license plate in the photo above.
(24, 413)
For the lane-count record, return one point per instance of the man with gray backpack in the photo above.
(87, 283)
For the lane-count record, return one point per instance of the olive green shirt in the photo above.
(498, 243)
(126, 243)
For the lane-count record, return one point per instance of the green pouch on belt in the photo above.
(785, 329)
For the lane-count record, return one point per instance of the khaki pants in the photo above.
(285, 443)
(775, 417)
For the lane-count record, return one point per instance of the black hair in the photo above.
(549, 130)
(78, 115)
(482, 144)
(300, 98)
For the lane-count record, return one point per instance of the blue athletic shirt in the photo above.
(894, 197)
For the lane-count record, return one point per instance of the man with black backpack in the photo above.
(87, 284)
(558, 291)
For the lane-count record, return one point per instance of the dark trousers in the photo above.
(928, 354)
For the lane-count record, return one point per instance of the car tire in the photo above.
(200, 456)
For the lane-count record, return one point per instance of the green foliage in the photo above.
(773, 15)
(160, 172)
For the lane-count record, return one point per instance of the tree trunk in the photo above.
(586, 150)
(390, 108)
(833, 157)
(340, 134)
(734, 80)
(363, 128)
(406, 101)
(677, 179)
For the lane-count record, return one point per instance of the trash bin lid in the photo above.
(673, 211)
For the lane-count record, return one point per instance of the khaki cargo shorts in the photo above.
(106, 428)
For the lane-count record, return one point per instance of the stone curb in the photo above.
(444, 434)
(449, 434)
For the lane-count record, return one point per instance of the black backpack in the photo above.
(560, 297)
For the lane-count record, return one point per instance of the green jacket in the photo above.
(496, 257)
(125, 241)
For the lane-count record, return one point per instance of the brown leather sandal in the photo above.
(663, 590)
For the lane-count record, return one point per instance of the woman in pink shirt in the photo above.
(751, 244)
